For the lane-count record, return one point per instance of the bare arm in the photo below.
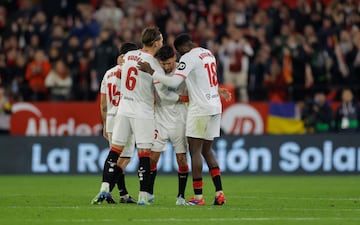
(173, 81)
(103, 112)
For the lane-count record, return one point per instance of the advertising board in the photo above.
(237, 155)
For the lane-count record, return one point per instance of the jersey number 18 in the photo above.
(212, 74)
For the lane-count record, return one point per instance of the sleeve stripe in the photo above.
(181, 75)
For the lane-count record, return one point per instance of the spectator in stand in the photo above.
(73, 53)
(40, 27)
(316, 13)
(279, 41)
(2, 68)
(275, 16)
(109, 15)
(20, 87)
(353, 60)
(301, 15)
(258, 69)
(53, 54)
(234, 55)
(14, 73)
(275, 84)
(216, 18)
(126, 35)
(5, 111)
(3, 19)
(342, 49)
(72, 56)
(63, 8)
(296, 68)
(348, 113)
(84, 26)
(34, 44)
(317, 114)
(36, 72)
(319, 60)
(82, 79)
(59, 82)
(26, 9)
(31, 23)
(105, 57)
(9, 69)
(57, 37)
(241, 14)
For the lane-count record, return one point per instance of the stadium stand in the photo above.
(279, 50)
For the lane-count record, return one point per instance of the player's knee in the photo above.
(116, 148)
(153, 161)
(123, 162)
(181, 159)
(154, 157)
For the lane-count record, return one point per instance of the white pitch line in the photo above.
(106, 207)
(164, 220)
(83, 220)
(267, 197)
(295, 198)
(220, 219)
(77, 221)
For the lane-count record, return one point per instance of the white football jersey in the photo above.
(198, 67)
(168, 110)
(110, 86)
(137, 88)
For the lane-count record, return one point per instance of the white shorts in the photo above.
(143, 130)
(129, 148)
(110, 122)
(175, 134)
(204, 127)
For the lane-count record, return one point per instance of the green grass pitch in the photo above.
(265, 200)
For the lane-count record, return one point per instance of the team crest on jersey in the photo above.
(181, 66)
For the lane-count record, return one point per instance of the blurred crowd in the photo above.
(59, 50)
(307, 51)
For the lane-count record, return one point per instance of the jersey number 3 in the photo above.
(212, 74)
(131, 78)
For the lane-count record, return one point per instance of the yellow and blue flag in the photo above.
(282, 119)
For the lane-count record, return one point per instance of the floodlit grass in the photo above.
(275, 200)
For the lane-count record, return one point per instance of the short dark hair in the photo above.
(181, 40)
(165, 52)
(126, 47)
(149, 35)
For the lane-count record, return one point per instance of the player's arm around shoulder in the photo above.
(165, 94)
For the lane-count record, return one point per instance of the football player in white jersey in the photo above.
(109, 101)
(197, 66)
(135, 114)
(170, 119)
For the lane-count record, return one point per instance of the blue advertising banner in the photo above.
(245, 155)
